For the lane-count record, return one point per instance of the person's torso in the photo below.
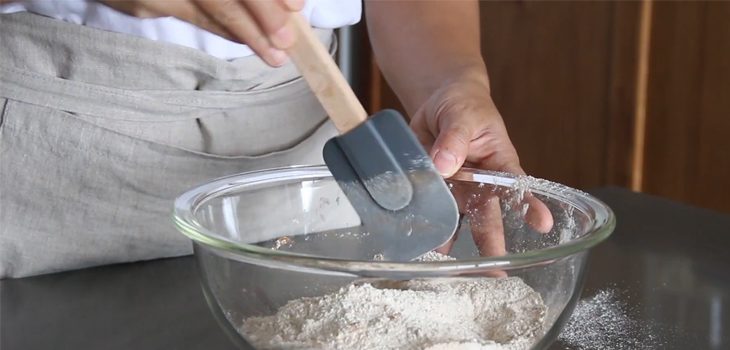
(328, 14)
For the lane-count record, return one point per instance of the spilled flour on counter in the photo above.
(447, 314)
(603, 322)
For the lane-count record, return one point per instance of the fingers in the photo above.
(253, 23)
(487, 231)
(493, 150)
(272, 18)
(505, 160)
(450, 149)
(294, 5)
(130, 7)
(470, 132)
(487, 227)
(216, 16)
(263, 25)
(424, 136)
(482, 208)
(446, 247)
(538, 215)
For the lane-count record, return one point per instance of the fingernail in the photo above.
(277, 57)
(445, 162)
(283, 38)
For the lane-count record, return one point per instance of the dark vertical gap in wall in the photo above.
(695, 129)
(621, 93)
(609, 108)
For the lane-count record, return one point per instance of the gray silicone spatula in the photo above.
(387, 176)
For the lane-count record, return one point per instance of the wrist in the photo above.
(472, 75)
(475, 74)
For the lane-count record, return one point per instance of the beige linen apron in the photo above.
(100, 131)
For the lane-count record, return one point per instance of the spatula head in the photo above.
(390, 180)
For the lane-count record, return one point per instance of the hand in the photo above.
(262, 25)
(460, 125)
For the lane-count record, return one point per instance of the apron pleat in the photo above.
(100, 131)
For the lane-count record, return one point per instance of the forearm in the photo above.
(421, 45)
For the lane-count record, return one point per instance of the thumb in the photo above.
(450, 149)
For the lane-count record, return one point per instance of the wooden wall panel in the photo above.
(566, 78)
(687, 155)
(550, 68)
(562, 75)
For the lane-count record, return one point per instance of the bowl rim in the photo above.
(187, 203)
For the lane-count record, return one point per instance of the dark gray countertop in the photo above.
(669, 262)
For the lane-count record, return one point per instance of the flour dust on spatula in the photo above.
(447, 314)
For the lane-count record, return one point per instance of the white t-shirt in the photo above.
(328, 14)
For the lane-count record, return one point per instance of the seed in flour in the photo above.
(434, 314)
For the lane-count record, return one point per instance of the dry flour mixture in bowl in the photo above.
(274, 250)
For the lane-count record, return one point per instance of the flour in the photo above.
(433, 256)
(604, 322)
(446, 314)
(430, 256)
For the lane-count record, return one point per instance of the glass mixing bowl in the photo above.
(265, 238)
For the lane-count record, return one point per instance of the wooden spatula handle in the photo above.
(325, 79)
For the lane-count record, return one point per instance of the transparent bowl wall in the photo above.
(248, 269)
